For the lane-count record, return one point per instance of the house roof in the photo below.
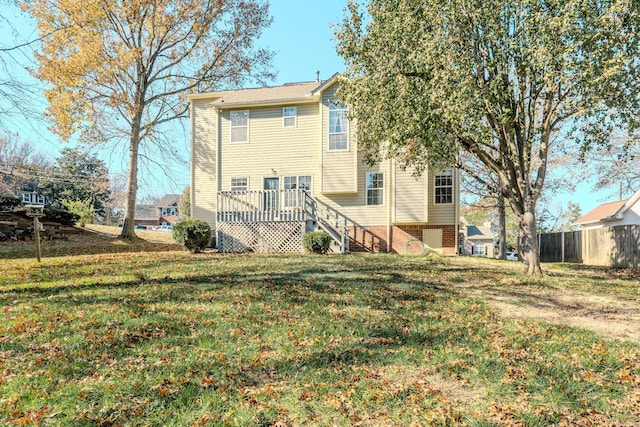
(268, 95)
(601, 212)
(172, 219)
(146, 212)
(169, 200)
(609, 211)
(478, 232)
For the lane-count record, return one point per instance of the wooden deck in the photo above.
(275, 221)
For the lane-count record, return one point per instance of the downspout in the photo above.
(218, 179)
(456, 212)
(192, 181)
(390, 204)
(191, 171)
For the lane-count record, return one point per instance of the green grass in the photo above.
(172, 338)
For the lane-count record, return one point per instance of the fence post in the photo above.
(539, 244)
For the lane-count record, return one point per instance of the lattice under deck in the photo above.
(280, 236)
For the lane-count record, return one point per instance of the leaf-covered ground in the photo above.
(171, 338)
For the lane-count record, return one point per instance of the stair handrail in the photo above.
(331, 219)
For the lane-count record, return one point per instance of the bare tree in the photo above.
(117, 69)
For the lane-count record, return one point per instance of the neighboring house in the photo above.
(31, 198)
(146, 215)
(623, 212)
(165, 212)
(29, 195)
(265, 160)
(478, 240)
(168, 209)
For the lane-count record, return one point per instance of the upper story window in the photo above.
(375, 188)
(239, 184)
(338, 127)
(289, 116)
(169, 211)
(443, 187)
(239, 126)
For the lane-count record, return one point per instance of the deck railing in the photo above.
(330, 220)
(261, 205)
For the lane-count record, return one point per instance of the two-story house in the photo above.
(165, 212)
(266, 160)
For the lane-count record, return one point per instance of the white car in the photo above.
(512, 256)
(164, 227)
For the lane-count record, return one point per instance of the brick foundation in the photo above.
(403, 238)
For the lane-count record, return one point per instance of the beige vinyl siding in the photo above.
(354, 205)
(441, 214)
(272, 150)
(203, 170)
(338, 177)
(340, 173)
(410, 195)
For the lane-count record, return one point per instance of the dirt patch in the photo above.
(398, 378)
(604, 315)
(593, 313)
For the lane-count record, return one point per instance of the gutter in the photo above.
(390, 204)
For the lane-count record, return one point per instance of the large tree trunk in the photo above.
(529, 244)
(128, 230)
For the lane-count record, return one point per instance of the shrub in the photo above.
(60, 216)
(9, 203)
(316, 242)
(83, 208)
(193, 234)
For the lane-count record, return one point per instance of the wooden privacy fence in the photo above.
(617, 246)
(561, 247)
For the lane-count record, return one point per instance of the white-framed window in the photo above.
(295, 183)
(289, 115)
(239, 184)
(375, 188)
(239, 126)
(26, 197)
(338, 128)
(169, 211)
(443, 187)
(290, 182)
(304, 182)
(39, 199)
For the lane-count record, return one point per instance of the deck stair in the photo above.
(329, 220)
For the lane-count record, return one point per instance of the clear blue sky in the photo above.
(302, 39)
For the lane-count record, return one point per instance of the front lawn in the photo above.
(172, 338)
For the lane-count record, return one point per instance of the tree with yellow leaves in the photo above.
(116, 69)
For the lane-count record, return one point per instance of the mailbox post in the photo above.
(35, 212)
